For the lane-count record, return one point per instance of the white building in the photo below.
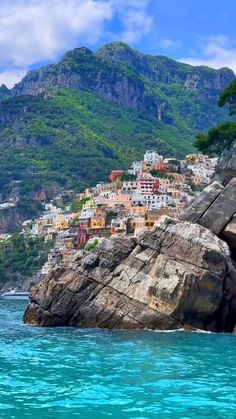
(136, 168)
(87, 212)
(130, 186)
(202, 171)
(152, 157)
(152, 202)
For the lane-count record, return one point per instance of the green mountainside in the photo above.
(4, 92)
(67, 125)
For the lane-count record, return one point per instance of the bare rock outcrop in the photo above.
(226, 167)
(201, 204)
(229, 233)
(214, 207)
(179, 275)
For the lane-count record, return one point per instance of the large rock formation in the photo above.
(182, 274)
(226, 168)
(119, 74)
(116, 73)
(202, 203)
(229, 233)
(214, 208)
(179, 275)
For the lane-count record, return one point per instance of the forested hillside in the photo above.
(67, 125)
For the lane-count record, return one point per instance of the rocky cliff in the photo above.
(123, 75)
(162, 69)
(176, 276)
(4, 92)
(226, 168)
(181, 275)
(71, 123)
(11, 220)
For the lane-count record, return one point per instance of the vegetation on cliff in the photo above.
(75, 139)
(21, 257)
(228, 97)
(67, 125)
(220, 137)
(4, 92)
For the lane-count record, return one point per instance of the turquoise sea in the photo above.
(80, 373)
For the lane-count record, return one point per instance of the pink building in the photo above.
(148, 185)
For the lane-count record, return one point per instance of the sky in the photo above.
(37, 32)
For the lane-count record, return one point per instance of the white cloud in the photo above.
(217, 51)
(33, 31)
(169, 43)
(137, 24)
(11, 77)
(166, 43)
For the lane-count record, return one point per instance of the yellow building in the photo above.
(69, 243)
(146, 167)
(137, 211)
(99, 219)
(60, 223)
(90, 203)
(123, 199)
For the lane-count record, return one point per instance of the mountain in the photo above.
(173, 92)
(68, 124)
(4, 92)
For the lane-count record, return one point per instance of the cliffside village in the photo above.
(132, 200)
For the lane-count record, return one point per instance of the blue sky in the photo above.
(36, 32)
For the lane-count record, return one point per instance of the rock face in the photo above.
(10, 220)
(4, 92)
(163, 69)
(214, 207)
(226, 168)
(201, 204)
(229, 233)
(116, 72)
(221, 210)
(179, 275)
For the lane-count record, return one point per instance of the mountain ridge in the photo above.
(122, 75)
(119, 52)
(66, 125)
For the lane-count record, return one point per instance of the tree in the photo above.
(78, 205)
(217, 138)
(228, 97)
(223, 135)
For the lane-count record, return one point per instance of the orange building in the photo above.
(123, 199)
(146, 167)
(178, 177)
(137, 211)
(165, 211)
(115, 174)
(197, 180)
(161, 166)
(99, 219)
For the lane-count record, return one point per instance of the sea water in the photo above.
(65, 373)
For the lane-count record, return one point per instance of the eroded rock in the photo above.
(229, 233)
(201, 204)
(222, 209)
(226, 167)
(170, 278)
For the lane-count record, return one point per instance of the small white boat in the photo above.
(14, 295)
